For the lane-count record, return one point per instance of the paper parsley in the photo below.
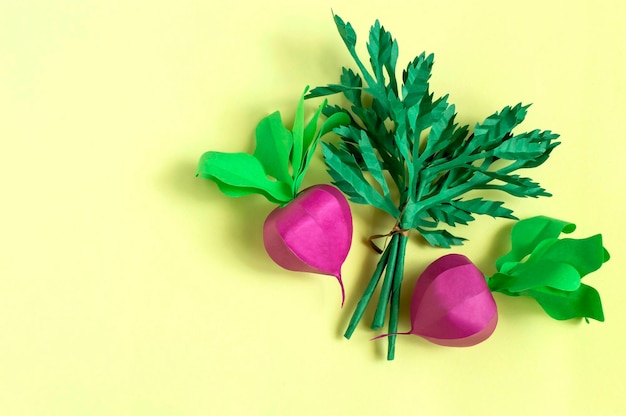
(382, 148)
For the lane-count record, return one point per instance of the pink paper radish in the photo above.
(312, 233)
(452, 304)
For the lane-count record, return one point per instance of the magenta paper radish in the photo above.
(452, 304)
(311, 231)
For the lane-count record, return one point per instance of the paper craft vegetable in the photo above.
(382, 148)
(312, 233)
(295, 234)
(549, 269)
(452, 305)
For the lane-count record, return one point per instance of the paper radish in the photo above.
(452, 304)
(311, 231)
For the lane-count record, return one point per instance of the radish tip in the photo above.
(343, 290)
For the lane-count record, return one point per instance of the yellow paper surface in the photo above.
(129, 287)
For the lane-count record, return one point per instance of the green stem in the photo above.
(435, 168)
(395, 297)
(385, 291)
(367, 295)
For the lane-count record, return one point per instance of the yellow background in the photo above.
(129, 287)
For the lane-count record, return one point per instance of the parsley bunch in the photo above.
(404, 153)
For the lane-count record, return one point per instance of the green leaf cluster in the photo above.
(549, 269)
(280, 160)
(402, 136)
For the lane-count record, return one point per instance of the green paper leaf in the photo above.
(423, 114)
(525, 146)
(415, 79)
(441, 132)
(404, 147)
(484, 207)
(346, 32)
(549, 269)
(279, 153)
(582, 303)
(331, 123)
(450, 214)
(240, 174)
(527, 276)
(585, 255)
(311, 128)
(273, 147)
(441, 238)
(514, 184)
(390, 66)
(527, 234)
(331, 89)
(334, 121)
(383, 51)
(297, 131)
(496, 127)
(372, 163)
(533, 163)
(352, 84)
(348, 177)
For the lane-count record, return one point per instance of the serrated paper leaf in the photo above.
(383, 51)
(525, 146)
(484, 207)
(348, 177)
(450, 215)
(416, 77)
(514, 184)
(441, 238)
(390, 66)
(490, 133)
(440, 132)
(372, 163)
(352, 84)
(423, 114)
(346, 32)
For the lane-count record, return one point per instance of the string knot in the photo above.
(395, 230)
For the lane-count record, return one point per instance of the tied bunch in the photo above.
(403, 153)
